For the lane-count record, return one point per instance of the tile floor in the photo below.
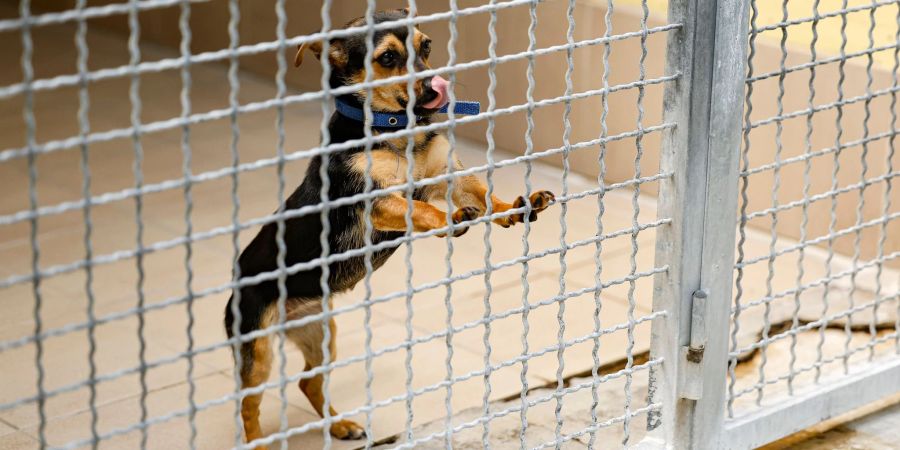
(170, 382)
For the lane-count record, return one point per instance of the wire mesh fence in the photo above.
(164, 162)
(827, 159)
(130, 249)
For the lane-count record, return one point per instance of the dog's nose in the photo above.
(426, 83)
(439, 86)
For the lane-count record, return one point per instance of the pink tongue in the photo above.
(440, 86)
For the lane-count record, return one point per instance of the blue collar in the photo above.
(393, 120)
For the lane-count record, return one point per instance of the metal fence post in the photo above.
(698, 247)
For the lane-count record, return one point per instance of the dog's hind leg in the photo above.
(256, 358)
(309, 339)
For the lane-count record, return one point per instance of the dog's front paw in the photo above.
(347, 430)
(539, 201)
(465, 214)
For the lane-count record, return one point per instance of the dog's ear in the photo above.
(337, 55)
(405, 12)
(315, 46)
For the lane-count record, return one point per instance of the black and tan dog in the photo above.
(347, 170)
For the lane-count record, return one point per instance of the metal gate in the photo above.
(735, 143)
(726, 106)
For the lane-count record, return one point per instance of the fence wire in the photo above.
(829, 301)
(196, 356)
(815, 302)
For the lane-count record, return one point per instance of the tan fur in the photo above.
(336, 54)
(385, 98)
(262, 354)
(389, 214)
(389, 167)
(418, 36)
(468, 190)
(390, 42)
(315, 47)
(308, 339)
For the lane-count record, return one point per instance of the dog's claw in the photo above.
(539, 201)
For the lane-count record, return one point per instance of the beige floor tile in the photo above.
(18, 441)
(113, 230)
(784, 272)
(214, 422)
(757, 282)
(540, 416)
(15, 173)
(389, 379)
(168, 326)
(389, 283)
(17, 319)
(114, 287)
(506, 332)
(429, 311)
(617, 266)
(65, 361)
(815, 264)
(778, 365)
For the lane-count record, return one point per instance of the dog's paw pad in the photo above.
(519, 202)
(541, 200)
(465, 214)
(347, 430)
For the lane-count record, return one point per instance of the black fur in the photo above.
(302, 234)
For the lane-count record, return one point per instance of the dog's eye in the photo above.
(425, 49)
(388, 58)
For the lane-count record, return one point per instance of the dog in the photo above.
(347, 172)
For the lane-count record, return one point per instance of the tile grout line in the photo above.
(74, 413)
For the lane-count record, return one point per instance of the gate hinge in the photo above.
(690, 376)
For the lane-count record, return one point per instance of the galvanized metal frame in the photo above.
(701, 197)
(702, 152)
(852, 384)
(868, 384)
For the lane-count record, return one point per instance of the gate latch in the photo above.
(691, 377)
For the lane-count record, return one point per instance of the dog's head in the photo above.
(346, 56)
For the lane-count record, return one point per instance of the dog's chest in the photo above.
(389, 166)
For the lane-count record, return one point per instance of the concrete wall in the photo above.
(209, 25)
